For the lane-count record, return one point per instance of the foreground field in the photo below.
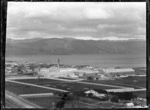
(50, 102)
(46, 102)
(25, 89)
(28, 86)
(64, 85)
(131, 81)
(141, 94)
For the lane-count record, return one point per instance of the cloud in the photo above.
(60, 11)
(104, 26)
(68, 19)
(83, 29)
(96, 13)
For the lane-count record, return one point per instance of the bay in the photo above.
(98, 60)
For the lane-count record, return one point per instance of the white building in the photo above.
(120, 90)
(87, 71)
(64, 70)
(96, 94)
(118, 70)
(58, 72)
(129, 104)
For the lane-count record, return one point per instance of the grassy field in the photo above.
(25, 89)
(73, 86)
(49, 102)
(132, 81)
(66, 78)
(135, 82)
(69, 86)
(141, 94)
(45, 102)
(39, 81)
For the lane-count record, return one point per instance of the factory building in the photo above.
(64, 70)
(87, 71)
(119, 71)
(58, 72)
(120, 90)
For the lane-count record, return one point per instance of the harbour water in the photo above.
(98, 60)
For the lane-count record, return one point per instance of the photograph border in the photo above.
(3, 39)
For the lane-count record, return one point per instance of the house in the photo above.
(72, 75)
(93, 76)
(95, 93)
(130, 104)
(120, 90)
(118, 72)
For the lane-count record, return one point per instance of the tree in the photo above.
(114, 99)
(33, 68)
(90, 94)
(20, 69)
(60, 104)
(71, 97)
(90, 78)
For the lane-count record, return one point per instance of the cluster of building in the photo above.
(87, 73)
(12, 68)
(80, 72)
(84, 72)
(125, 99)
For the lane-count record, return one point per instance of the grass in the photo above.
(69, 86)
(74, 86)
(46, 102)
(39, 81)
(66, 78)
(132, 81)
(25, 89)
(141, 94)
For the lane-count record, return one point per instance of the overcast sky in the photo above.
(82, 20)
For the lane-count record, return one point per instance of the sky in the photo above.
(80, 20)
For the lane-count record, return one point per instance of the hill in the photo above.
(65, 46)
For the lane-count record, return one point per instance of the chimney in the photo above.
(58, 62)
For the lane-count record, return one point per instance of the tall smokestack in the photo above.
(58, 62)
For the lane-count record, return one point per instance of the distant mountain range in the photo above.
(67, 46)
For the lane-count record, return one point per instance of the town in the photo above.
(83, 86)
